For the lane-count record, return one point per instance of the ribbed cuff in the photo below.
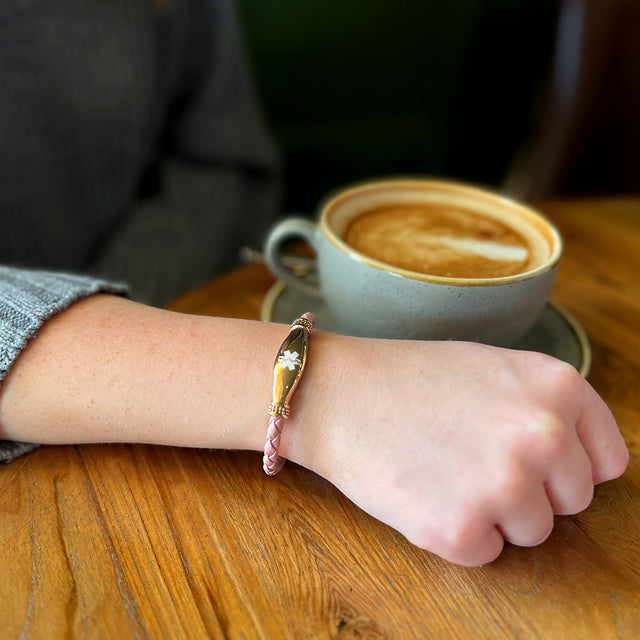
(27, 300)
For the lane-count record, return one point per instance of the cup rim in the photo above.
(338, 196)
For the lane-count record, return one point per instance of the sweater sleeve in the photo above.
(134, 142)
(215, 178)
(27, 300)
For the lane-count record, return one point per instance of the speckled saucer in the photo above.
(557, 332)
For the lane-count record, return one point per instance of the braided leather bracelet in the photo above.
(287, 371)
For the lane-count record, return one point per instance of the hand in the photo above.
(458, 446)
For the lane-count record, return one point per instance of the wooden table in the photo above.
(152, 542)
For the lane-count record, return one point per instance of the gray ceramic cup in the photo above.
(371, 298)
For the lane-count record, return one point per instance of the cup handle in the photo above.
(286, 230)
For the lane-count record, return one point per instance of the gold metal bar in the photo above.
(289, 365)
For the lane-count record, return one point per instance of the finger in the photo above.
(601, 438)
(474, 543)
(528, 521)
(569, 486)
(486, 549)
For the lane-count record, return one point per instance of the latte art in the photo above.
(444, 240)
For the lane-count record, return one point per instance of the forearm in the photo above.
(108, 369)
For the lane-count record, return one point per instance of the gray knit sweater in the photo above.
(133, 150)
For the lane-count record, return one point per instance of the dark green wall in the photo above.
(356, 89)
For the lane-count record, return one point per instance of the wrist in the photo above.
(318, 409)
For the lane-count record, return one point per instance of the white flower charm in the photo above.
(289, 360)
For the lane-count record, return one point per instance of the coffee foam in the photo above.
(448, 236)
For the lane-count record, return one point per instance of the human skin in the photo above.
(458, 446)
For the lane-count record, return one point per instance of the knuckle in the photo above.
(577, 501)
(464, 538)
(472, 545)
(460, 537)
(548, 436)
(544, 529)
(619, 463)
(452, 540)
(586, 499)
(561, 375)
(558, 380)
(582, 499)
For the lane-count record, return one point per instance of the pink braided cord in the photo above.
(271, 461)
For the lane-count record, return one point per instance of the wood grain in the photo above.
(124, 541)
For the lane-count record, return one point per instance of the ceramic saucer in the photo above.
(556, 333)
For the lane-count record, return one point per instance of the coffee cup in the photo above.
(414, 258)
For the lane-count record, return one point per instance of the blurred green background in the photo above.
(358, 89)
